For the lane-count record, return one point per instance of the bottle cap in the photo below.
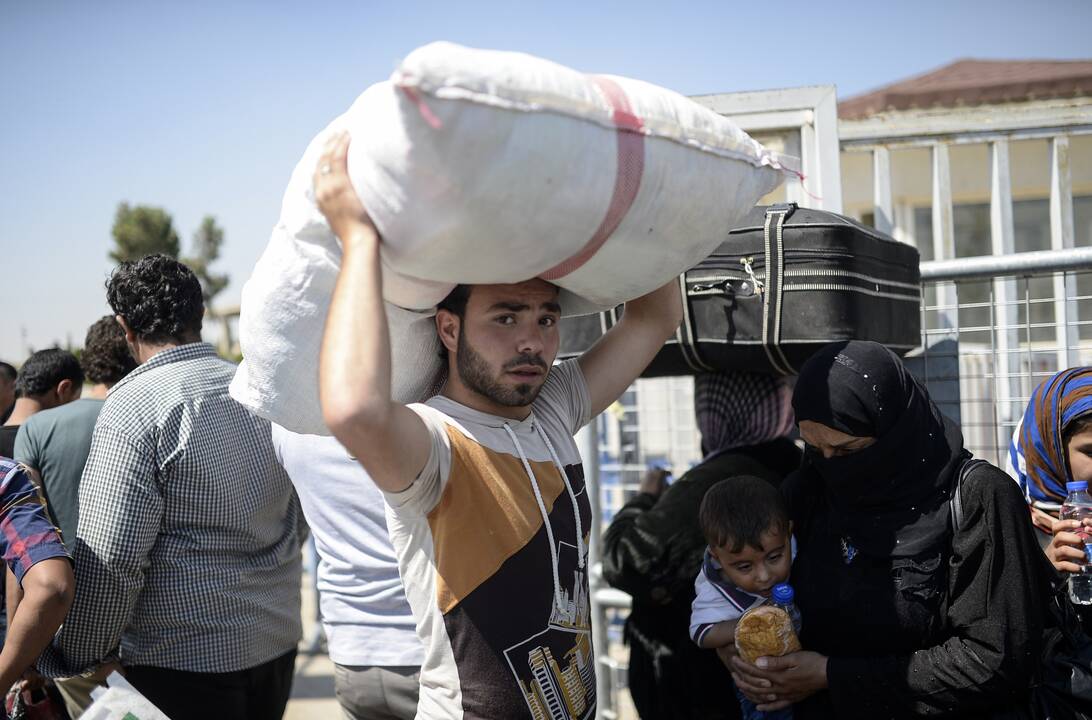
(783, 594)
(1076, 486)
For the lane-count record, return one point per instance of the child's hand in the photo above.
(726, 653)
(1067, 548)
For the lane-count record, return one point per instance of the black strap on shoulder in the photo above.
(956, 502)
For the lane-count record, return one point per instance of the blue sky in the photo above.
(204, 107)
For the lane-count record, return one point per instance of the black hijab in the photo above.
(890, 498)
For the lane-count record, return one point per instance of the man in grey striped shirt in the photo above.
(188, 548)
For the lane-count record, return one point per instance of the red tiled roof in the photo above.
(976, 82)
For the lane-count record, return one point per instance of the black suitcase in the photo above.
(788, 281)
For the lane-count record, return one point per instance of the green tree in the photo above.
(206, 250)
(142, 230)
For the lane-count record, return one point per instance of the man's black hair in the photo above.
(159, 298)
(454, 303)
(738, 511)
(106, 358)
(8, 371)
(44, 370)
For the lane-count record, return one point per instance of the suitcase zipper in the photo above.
(916, 299)
(821, 253)
(749, 287)
(719, 283)
(747, 263)
(827, 272)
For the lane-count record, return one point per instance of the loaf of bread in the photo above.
(765, 631)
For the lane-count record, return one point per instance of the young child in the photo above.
(746, 524)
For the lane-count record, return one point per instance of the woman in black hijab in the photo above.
(903, 615)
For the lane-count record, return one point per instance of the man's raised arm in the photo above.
(613, 363)
(389, 439)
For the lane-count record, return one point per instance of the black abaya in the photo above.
(916, 621)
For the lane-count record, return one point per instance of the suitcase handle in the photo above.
(774, 288)
(785, 209)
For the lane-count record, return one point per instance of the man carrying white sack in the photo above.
(488, 510)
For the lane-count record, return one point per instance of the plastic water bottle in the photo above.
(1078, 506)
(784, 598)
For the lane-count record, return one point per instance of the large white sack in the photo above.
(283, 314)
(490, 167)
(483, 166)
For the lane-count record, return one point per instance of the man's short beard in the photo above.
(475, 374)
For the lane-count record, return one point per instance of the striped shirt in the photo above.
(188, 547)
(29, 535)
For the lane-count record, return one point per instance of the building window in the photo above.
(1030, 220)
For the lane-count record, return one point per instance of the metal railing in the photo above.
(993, 328)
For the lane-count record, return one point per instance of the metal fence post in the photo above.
(604, 684)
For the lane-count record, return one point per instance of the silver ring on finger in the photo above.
(325, 169)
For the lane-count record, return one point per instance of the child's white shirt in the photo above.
(716, 600)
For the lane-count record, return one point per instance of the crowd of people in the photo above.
(153, 526)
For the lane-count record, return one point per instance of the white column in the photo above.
(1061, 238)
(905, 230)
(1008, 368)
(943, 231)
(794, 186)
(826, 168)
(881, 190)
(795, 145)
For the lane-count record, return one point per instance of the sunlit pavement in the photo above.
(313, 685)
(313, 690)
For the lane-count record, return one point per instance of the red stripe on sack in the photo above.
(426, 112)
(627, 180)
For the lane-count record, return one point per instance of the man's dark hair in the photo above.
(106, 358)
(8, 371)
(44, 370)
(456, 300)
(454, 303)
(740, 510)
(159, 298)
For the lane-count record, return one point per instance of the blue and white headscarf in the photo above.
(1037, 454)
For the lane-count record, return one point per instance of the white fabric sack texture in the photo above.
(483, 166)
(121, 701)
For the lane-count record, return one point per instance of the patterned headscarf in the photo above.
(741, 409)
(1037, 454)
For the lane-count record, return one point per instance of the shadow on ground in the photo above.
(313, 679)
